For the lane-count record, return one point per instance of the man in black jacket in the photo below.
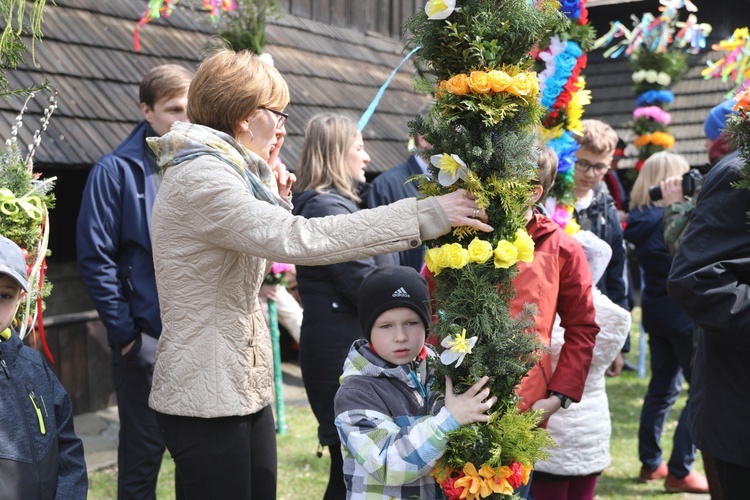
(710, 282)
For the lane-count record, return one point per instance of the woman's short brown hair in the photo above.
(230, 86)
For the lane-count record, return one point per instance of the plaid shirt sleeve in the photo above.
(394, 451)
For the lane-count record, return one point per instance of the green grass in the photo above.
(303, 475)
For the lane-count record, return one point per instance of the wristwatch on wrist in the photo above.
(564, 400)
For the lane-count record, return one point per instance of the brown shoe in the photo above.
(652, 475)
(692, 483)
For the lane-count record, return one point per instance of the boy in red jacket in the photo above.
(558, 281)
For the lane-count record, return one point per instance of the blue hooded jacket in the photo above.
(114, 240)
(40, 455)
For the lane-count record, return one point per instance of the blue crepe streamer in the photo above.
(374, 104)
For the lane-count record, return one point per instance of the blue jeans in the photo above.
(670, 361)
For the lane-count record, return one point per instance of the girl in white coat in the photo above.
(582, 431)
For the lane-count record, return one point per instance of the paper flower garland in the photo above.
(563, 57)
(482, 128)
(736, 63)
(163, 8)
(656, 49)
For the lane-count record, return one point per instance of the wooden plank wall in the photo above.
(381, 16)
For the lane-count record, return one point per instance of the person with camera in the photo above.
(670, 332)
(679, 193)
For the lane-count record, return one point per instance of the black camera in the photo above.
(691, 182)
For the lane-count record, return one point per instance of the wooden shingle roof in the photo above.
(87, 54)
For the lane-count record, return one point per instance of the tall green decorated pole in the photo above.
(482, 128)
(276, 277)
(273, 325)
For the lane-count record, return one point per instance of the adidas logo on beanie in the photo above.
(388, 287)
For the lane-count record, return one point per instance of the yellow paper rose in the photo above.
(505, 254)
(499, 80)
(479, 83)
(431, 260)
(480, 251)
(525, 246)
(521, 85)
(457, 84)
(525, 473)
(443, 257)
(456, 256)
(534, 82)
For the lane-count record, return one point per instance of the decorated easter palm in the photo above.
(482, 128)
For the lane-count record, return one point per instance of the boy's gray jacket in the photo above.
(40, 455)
(390, 437)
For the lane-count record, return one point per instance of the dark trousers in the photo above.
(336, 489)
(525, 490)
(670, 360)
(141, 448)
(224, 457)
(734, 480)
(570, 488)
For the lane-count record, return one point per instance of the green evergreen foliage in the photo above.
(738, 127)
(483, 35)
(18, 22)
(672, 62)
(244, 28)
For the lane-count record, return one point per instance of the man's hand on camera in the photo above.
(671, 190)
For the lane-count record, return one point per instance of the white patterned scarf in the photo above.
(186, 141)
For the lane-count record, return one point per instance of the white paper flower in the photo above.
(639, 75)
(439, 9)
(457, 347)
(451, 168)
(651, 76)
(663, 79)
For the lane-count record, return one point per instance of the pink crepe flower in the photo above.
(654, 113)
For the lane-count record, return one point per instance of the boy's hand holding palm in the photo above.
(470, 406)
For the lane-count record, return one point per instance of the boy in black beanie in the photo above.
(392, 428)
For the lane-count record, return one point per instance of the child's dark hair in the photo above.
(547, 172)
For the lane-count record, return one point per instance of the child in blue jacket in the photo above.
(40, 455)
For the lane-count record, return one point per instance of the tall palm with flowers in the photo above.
(482, 128)
(561, 58)
(25, 201)
(656, 47)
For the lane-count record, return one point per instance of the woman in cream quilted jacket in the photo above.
(222, 215)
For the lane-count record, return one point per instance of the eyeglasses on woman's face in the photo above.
(282, 116)
(584, 166)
